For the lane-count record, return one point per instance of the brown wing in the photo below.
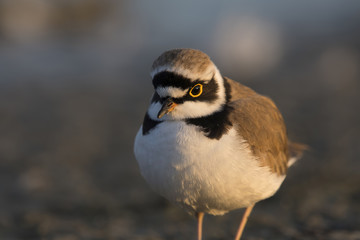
(260, 123)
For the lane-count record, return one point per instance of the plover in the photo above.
(208, 143)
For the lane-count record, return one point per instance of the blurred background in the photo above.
(75, 84)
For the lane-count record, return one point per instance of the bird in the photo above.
(208, 143)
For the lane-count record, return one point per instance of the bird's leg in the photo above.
(243, 222)
(200, 217)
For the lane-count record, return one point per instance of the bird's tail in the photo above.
(296, 150)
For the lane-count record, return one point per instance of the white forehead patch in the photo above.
(171, 92)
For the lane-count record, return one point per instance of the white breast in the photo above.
(202, 174)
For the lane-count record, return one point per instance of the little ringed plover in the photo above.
(208, 143)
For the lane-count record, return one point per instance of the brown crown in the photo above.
(190, 60)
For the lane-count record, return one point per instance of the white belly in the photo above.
(202, 174)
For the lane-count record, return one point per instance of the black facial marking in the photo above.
(170, 79)
(216, 125)
(149, 124)
(209, 93)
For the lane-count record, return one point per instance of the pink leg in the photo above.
(200, 217)
(243, 222)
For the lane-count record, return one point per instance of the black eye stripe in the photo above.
(170, 79)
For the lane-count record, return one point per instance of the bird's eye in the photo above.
(196, 90)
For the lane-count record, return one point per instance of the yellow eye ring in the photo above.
(196, 90)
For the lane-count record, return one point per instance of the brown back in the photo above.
(259, 122)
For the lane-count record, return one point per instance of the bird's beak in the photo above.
(167, 107)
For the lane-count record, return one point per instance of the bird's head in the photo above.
(187, 85)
